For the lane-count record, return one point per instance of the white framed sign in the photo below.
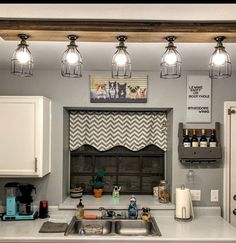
(198, 99)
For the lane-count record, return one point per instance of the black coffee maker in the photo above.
(25, 199)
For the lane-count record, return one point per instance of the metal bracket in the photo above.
(231, 111)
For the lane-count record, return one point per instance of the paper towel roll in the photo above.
(184, 209)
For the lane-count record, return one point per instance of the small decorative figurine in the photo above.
(145, 215)
(133, 209)
(116, 191)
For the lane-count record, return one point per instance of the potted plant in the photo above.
(98, 184)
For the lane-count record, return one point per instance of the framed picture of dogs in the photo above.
(104, 89)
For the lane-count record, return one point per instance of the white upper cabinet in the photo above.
(25, 136)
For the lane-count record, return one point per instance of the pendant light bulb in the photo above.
(120, 59)
(22, 60)
(170, 61)
(72, 60)
(170, 58)
(220, 63)
(219, 58)
(22, 56)
(121, 63)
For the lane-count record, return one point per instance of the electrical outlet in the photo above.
(214, 195)
(196, 195)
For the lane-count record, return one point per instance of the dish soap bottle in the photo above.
(145, 215)
(133, 209)
(80, 210)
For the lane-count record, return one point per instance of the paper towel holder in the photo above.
(184, 214)
(183, 211)
(184, 220)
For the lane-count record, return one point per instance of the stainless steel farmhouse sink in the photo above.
(113, 227)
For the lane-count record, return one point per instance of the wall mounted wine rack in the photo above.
(199, 154)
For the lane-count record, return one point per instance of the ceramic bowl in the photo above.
(76, 192)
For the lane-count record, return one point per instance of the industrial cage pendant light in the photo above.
(220, 63)
(170, 61)
(22, 60)
(71, 63)
(121, 63)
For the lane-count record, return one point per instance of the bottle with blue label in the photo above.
(133, 209)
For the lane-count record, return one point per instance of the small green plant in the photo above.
(98, 182)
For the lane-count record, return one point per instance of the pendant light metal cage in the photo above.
(121, 62)
(22, 59)
(71, 63)
(170, 61)
(220, 63)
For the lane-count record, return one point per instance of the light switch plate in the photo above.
(214, 195)
(196, 195)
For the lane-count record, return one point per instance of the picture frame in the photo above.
(104, 89)
(199, 98)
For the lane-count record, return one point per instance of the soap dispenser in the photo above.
(145, 215)
(80, 210)
(133, 209)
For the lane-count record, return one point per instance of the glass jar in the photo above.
(163, 192)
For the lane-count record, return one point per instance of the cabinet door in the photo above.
(233, 166)
(18, 139)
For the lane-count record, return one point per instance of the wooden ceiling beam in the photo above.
(107, 30)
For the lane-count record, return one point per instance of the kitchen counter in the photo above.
(203, 228)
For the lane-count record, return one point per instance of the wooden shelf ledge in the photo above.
(107, 30)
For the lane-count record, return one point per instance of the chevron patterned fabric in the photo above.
(107, 129)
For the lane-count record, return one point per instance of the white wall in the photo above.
(75, 93)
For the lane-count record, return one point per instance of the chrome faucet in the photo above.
(107, 213)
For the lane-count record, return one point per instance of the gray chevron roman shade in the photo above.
(107, 129)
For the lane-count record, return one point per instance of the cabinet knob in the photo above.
(234, 211)
(234, 197)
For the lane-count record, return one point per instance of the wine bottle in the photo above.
(203, 139)
(194, 140)
(212, 140)
(186, 140)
